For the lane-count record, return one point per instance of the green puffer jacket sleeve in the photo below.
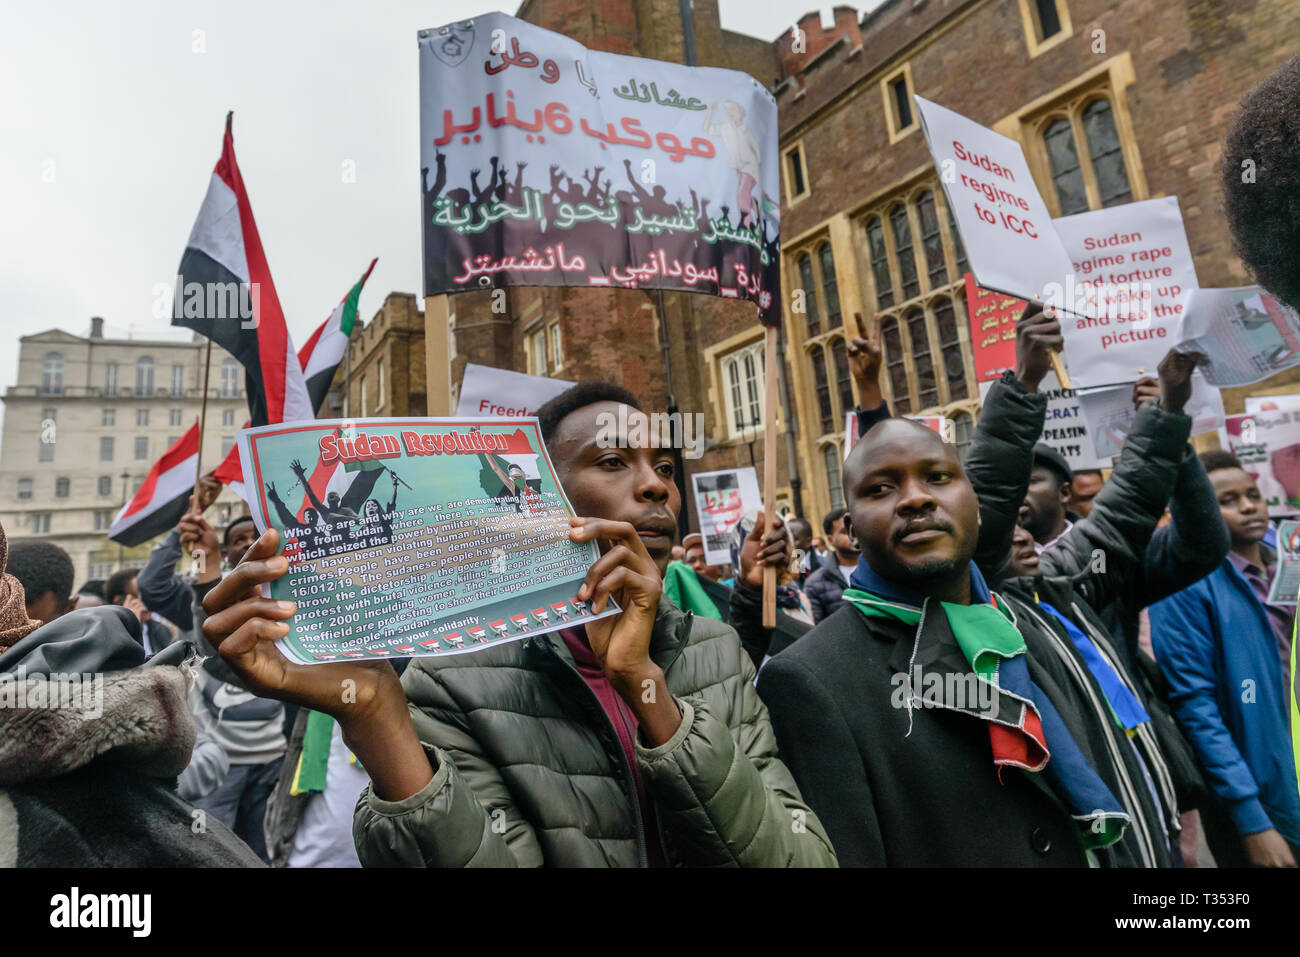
(724, 796)
(446, 824)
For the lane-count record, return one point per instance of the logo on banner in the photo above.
(453, 43)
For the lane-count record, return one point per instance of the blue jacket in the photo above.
(162, 590)
(1218, 652)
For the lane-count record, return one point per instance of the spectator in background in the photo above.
(825, 586)
(1087, 483)
(1044, 511)
(802, 531)
(1222, 648)
(96, 786)
(249, 728)
(122, 589)
(89, 595)
(694, 545)
(162, 590)
(46, 574)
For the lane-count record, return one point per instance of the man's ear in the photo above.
(1067, 490)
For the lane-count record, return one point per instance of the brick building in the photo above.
(385, 363)
(1113, 100)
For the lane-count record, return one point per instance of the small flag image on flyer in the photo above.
(415, 537)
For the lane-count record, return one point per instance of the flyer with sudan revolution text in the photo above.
(414, 537)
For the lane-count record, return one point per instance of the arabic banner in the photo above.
(993, 317)
(548, 164)
(488, 391)
(721, 498)
(1247, 334)
(414, 537)
(1133, 271)
(1268, 445)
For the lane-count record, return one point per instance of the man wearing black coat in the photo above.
(911, 509)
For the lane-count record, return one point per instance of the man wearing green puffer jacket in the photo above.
(636, 741)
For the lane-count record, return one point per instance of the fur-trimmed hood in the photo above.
(78, 690)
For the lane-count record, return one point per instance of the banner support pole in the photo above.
(203, 422)
(771, 361)
(1058, 367)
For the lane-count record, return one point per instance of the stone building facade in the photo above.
(85, 421)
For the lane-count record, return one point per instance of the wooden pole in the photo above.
(771, 361)
(437, 368)
(203, 417)
(1058, 367)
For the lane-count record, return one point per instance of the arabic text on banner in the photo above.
(413, 537)
(548, 164)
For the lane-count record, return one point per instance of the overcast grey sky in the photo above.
(112, 103)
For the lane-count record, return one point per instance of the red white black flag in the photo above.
(225, 292)
(160, 502)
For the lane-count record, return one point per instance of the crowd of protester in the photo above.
(990, 662)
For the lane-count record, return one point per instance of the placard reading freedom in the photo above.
(478, 552)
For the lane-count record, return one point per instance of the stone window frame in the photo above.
(1033, 28)
(733, 361)
(1110, 78)
(909, 197)
(887, 82)
(791, 197)
(824, 340)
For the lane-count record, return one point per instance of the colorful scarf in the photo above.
(1025, 729)
(1124, 705)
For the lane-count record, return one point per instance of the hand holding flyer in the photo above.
(478, 553)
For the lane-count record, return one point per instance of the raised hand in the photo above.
(1038, 332)
(297, 468)
(865, 357)
(626, 573)
(1144, 390)
(1175, 371)
(760, 550)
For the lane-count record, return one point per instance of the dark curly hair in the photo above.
(550, 414)
(42, 567)
(1263, 149)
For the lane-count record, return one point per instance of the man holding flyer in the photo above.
(500, 757)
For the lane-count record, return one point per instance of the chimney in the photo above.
(96, 327)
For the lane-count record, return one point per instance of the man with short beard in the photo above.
(915, 723)
(627, 741)
(926, 672)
